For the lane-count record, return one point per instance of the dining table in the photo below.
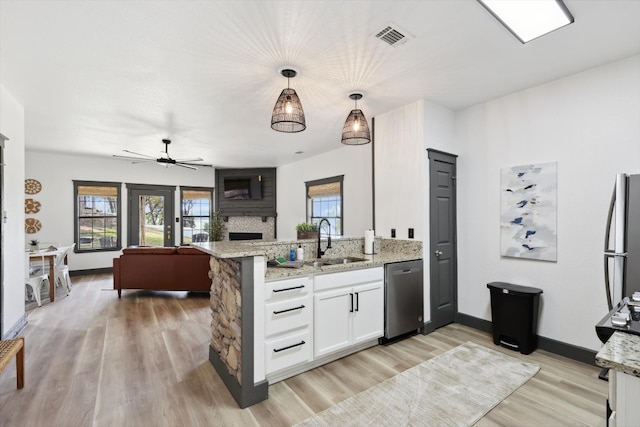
(49, 254)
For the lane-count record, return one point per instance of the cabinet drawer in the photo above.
(288, 288)
(288, 351)
(322, 282)
(289, 314)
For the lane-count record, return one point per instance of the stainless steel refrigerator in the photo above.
(622, 240)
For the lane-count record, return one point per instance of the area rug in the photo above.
(456, 388)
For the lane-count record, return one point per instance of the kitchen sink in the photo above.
(336, 261)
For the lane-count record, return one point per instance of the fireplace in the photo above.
(250, 228)
(244, 236)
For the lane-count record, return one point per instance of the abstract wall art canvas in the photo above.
(528, 211)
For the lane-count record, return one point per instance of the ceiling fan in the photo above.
(164, 160)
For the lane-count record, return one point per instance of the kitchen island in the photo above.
(243, 335)
(621, 354)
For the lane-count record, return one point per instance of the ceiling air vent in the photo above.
(393, 35)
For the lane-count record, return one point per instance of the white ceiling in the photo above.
(98, 77)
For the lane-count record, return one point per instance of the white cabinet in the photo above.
(348, 309)
(288, 323)
(626, 398)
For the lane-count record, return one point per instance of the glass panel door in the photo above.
(151, 216)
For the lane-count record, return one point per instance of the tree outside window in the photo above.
(196, 210)
(97, 216)
(324, 200)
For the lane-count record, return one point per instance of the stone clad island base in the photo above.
(231, 351)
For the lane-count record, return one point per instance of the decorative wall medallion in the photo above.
(32, 225)
(31, 206)
(32, 186)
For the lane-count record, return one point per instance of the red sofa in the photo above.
(162, 269)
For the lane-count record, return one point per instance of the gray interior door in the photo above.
(442, 225)
(150, 215)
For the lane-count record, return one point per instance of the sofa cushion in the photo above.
(150, 251)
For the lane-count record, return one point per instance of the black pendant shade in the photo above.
(288, 115)
(356, 130)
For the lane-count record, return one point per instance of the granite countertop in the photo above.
(622, 353)
(377, 260)
(395, 251)
(230, 249)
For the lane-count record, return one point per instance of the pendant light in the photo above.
(356, 129)
(288, 115)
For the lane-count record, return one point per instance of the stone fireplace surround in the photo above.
(251, 224)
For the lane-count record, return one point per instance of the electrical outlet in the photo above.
(393, 232)
(411, 233)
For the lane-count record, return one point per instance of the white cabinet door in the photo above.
(332, 319)
(368, 313)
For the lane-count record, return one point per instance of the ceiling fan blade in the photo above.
(184, 165)
(195, 159)
(131, 158)
(138, 154)
(206, 165)
(140, 161)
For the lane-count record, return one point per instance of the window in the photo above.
(324, 200)
(97, 216)
(196, 213)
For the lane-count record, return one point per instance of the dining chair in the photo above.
(36, 278)
(61, 269)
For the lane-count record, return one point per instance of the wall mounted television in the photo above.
(243, 187)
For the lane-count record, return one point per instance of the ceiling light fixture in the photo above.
(356, 130)
(528, 19)
(288, 115)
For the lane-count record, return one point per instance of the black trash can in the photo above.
(514, 315)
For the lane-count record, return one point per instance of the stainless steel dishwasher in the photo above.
(404, 296)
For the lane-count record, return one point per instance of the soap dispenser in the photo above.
(299, 253)
(292, 253)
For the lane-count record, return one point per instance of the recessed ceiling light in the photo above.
(529, 19)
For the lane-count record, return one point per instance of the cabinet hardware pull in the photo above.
(288, 289)
(351, 305)
(301, 306)
(357, 300)
(277, 350)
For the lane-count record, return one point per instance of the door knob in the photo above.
(438, 253)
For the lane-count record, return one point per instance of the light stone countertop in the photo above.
(622, 353)
(378, 260)
(230, 249)
(389, 251)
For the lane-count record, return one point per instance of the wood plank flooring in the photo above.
(94, 360)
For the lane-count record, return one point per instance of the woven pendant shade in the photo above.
(356, 130)
(288, 115)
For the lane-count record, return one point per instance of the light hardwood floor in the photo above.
(94, 360)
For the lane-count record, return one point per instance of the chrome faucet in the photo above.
(320, 251)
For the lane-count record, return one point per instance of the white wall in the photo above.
(354, 162)
(399, 169)
(588, 123)
(56, 172)
(13, 246)
(402, 172)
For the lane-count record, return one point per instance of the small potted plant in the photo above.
(306, 230)
(217, 227)
(33, 245)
